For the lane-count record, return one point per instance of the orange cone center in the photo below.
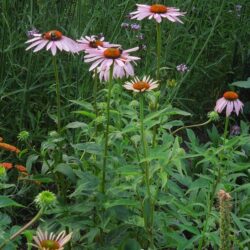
(112, 53)
(141, 85)
(158, 8)
(95, 44)
(50, 244)
(53, 35)
(230, 95)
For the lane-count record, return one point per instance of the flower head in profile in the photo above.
(231, 102)
(137, 85)
(115, 58)
(51, 241)
(52, 40)
(93, 42)
(157, 11)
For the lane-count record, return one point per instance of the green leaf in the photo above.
(77, 125)
(89, 147)
(85, 113)
(7, 202)
(242, 84)
(131, 244)
(121, 202)
(84, 104)
(66, 170)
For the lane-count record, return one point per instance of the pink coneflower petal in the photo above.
(40, 46)
(53, 49)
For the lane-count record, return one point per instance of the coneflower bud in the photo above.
(213, 116)
(45, 199)
(23, 136)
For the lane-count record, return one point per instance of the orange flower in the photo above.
(21, 168)
(9, 147)
(6, 165)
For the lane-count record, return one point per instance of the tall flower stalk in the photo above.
(158, 52)
(58, 94)
(105, 152)
(148, 217)
(140, 86)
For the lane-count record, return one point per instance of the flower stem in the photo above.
(158, 52)
(147, 221)
(95, 91)
(158, 57)
(192, 126)
(105, 153)
(58, 96)
(37, 217)
(226, 128)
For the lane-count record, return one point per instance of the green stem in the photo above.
(210, 204)
(158, 52)
(192, 126)
(226, 128)
(58, 95)
(37, 217)
(149, 226)
(158, 56)
(216, 182)
(105, 154)
(95, 91)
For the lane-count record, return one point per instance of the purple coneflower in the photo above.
(53, 40)
(231, 102)
(46, 241)
(137, 85)
(157, 11)
(104, 58)
(93, 42)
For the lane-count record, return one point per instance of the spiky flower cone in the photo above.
(225, 208)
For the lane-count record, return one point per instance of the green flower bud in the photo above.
(134, 104)
(45, 199)
(213, 115)
(53, 134)
(2, 171)
(23, 135)
(171, 83)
